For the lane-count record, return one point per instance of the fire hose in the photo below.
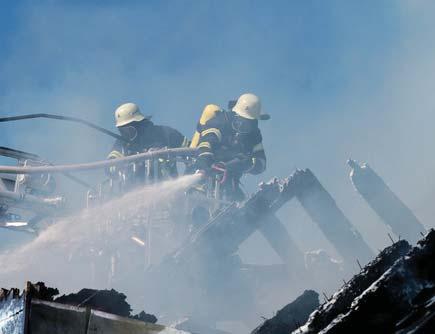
(69, 119)
(164, 154)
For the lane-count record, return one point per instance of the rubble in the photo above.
(35, 310)
(42, 292)
(341, 301)
(208, 267)
(421, 318)
(110, 301)
(208, 259)
(209, 273)
(393, 293)
(291, 316)
(143, 316)
(12, 315)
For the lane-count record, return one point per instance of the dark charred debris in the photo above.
(109, 301)
(291, 316)
(394, 293)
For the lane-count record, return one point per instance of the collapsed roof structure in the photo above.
(206, 266)
(394, 293)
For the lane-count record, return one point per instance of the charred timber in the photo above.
(400, 301)
(341, 301)
(291, 316)
(387, 205)
(323, 210)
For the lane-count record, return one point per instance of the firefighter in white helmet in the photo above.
(232, 140)
(141, 135)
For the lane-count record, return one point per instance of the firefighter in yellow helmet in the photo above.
(231, 141)
(141, 135)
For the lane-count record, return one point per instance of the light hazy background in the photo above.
(340, 78)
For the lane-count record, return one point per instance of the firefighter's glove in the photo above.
(239, 165)
(204, 162)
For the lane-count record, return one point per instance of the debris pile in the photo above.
(291, 316)
(208, 268)
(213, 284)
(393, 294)
(12, 315)
(341, 301)
(36, 311)
(110, 301)
(42, 292)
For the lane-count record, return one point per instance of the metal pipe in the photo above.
(21, 155)
(166, 153)
(28, 201)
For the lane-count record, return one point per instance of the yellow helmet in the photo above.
(249, 106)
(128, 113)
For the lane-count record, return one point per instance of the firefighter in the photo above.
(231, 142)
(142, 135)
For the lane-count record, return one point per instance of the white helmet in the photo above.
(128, 113)
(249, 106)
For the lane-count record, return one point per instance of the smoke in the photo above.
(340, 79)
(72, 246)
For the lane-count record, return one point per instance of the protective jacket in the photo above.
(149, 136)
(220, 140)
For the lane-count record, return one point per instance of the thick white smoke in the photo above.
(340, 79)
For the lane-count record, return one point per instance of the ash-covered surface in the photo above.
(291, 316)
(399, 298)
(421, 318)
(110, 301)
(12, 311)
(341, 301)
(42, 292)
